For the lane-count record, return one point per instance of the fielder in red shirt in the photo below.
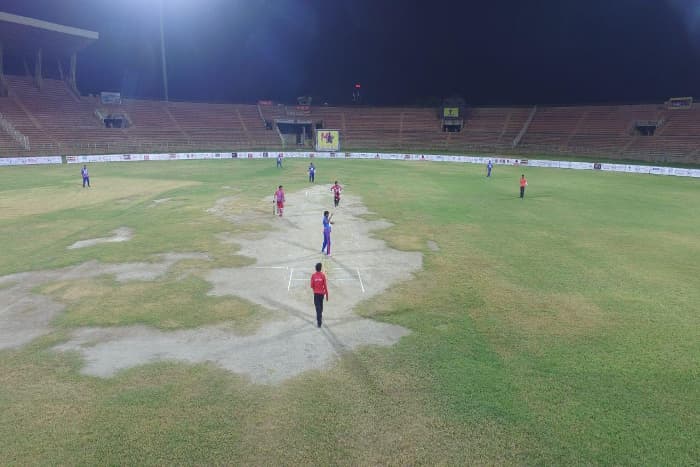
(320, 288)
(523, 184)
(279, 199)
(336, 189)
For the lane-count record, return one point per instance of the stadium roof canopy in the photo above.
(20, 34)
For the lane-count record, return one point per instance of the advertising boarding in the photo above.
(328, 140)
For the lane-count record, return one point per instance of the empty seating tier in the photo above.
(57, 121)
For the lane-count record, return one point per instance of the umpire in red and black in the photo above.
(320, 288)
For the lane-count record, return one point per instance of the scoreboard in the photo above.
(450, 112)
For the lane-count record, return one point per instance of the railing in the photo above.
(14, 133)
(130, 147)
(523, 130)
(262, 117)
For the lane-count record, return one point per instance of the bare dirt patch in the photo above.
(122, 234)
(360, 267)
(25, 315)
(157, 202)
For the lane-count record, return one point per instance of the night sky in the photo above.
(403, 52)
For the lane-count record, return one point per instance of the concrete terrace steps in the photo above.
(56, 122)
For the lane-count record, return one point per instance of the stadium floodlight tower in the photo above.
(162, 50)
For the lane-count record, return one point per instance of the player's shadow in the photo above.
(276, 305)
(535, 195)
(538, 196)
(300, 329)
(302, 246)
(311, 257)
(288, 220)
(373, 250)
(515, 197)
(345, 267)
(356, 367)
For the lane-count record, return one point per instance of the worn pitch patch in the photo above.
(25, 315)
(433, 246)
(122, 234)
(360, 267)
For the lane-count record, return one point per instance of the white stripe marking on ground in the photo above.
(360, 277)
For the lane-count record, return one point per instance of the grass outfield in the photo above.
(562, 329)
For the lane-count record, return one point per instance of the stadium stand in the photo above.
(56, 121)
(489, 127)
(21, 118)
(48, 116)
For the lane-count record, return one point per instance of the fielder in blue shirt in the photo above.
(326, 234)
(86, 176)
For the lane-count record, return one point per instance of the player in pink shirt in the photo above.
(336, 189)
(279, 199)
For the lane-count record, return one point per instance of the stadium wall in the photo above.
(601, 166)
(31, 160)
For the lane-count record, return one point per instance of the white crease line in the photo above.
(289, 286)
(271, 267)
(360, 277)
